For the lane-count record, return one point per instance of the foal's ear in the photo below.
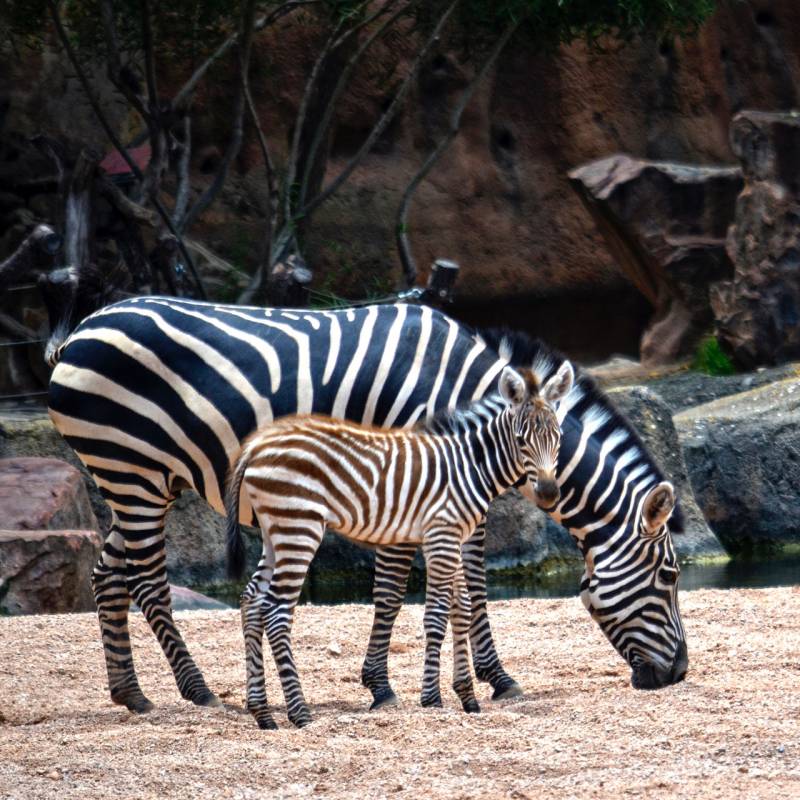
(512, 387)
(559, 386)
(658, 506)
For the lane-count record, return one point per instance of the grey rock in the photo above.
(743, 456)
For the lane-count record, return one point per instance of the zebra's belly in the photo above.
(379, 533)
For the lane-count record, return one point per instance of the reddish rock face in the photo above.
(499, 201)
(43, 493)
(47, 572)
(46, 560)
(758, 312)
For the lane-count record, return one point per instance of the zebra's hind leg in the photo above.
(459, 621)
(484, 654)
(392, 567)
(253, 611)
(441, 550)
(113, 604)
(295, 547)
(145, 558)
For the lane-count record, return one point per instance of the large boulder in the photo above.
(742, 456)
(47, 571)
(665, 224)
(43, 493)
(758, 311)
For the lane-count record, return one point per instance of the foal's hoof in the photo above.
(134, 701)
(507, 691)
(383, 699)
(207, 699)
(471, 706)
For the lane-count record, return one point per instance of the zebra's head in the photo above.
(634, 596)
(536, 430)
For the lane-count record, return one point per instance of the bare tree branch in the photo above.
(125, 206)
(149, 59)
(324, 124)
(401, 228)
(235, 143)
(300, 120)
(257, 286)
(182, 173)
(93, 101)
(121, 78)
(384, 120)
(34, 254)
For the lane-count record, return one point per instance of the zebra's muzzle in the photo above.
(648, 676)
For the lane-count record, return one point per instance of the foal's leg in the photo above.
(392, 566)
(459, 621)
(252, 610)
(295, 546)
(484, 655)
(441, 549)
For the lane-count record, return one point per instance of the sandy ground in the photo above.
(732, 729)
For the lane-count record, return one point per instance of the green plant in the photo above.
(711, 359)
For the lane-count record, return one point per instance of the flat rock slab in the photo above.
(743, 456)
(43, 493)
(47, 572)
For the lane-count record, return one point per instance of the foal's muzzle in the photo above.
(547, 493)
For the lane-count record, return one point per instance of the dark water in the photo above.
(733, 574)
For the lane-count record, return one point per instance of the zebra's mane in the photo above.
(457, 420)
(586, 401)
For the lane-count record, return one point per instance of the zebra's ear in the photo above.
(512, 387)
(559, 385)
(658, 505)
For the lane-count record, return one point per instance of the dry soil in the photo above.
(731, 730)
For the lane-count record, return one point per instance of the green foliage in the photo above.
(710, 358)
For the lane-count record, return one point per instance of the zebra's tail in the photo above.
(235, 551)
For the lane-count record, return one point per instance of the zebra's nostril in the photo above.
(547, 492)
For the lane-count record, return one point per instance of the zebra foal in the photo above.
(430, 486)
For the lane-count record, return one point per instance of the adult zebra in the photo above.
(156, 395)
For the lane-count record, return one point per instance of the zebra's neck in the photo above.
(482, 448)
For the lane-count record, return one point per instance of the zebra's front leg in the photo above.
(113, 604)
(441, 550)
(460, 614)
(484, 654)
(392, 567)
(294, 551)
(147, 583)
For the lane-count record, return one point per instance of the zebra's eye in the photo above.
(669, 575)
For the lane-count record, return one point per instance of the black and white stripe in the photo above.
(157, 394)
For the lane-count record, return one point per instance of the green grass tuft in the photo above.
(710, 358)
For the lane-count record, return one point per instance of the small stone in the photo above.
(743, 769)
(54, 775)
(334, 648)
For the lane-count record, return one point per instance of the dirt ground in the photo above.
(732, 729)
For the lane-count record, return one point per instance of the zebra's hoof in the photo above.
(207, 699)
(133, 701)
(431, 702)
(507, 691)
(266, 723)
(471, 706)
(301, 720)
(383, 699)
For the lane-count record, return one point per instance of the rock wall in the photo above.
(499, 201)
